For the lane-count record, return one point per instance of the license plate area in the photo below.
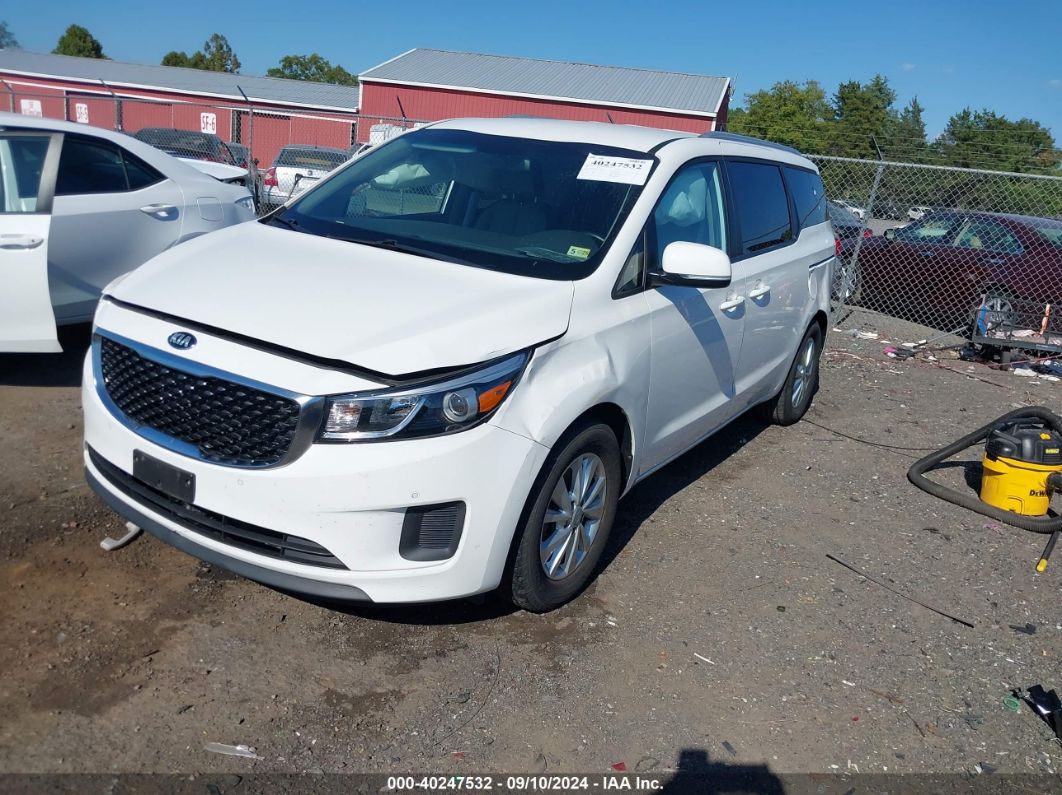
(167, 478)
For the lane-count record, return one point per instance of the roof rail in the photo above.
(748, 139)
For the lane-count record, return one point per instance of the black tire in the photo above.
(784, 408)
(527, 584)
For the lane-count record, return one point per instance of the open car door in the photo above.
(28, 164)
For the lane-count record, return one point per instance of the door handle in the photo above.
(760, 291)
(20, 241)
(732, 303)
(158, 209)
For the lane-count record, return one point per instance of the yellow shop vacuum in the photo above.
(1021, 471)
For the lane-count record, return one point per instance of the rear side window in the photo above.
(761, 205)
(88, 166)
(808, 195)
(310, 158)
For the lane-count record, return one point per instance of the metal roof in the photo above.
(558, 80)
(171, 78)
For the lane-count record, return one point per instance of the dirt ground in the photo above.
(718, 634)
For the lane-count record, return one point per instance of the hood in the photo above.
(381, 310)
(220, 171)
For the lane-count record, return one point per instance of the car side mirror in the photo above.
(889, 234)
(694, 265)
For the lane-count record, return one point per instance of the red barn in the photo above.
(128, 97)
(428, 85)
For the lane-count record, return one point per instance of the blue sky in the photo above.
(951, 54)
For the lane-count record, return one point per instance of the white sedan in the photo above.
(80, 206)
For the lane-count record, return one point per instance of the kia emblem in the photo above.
(181, 340)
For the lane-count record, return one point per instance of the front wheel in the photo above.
(789, 405)
(567, 526)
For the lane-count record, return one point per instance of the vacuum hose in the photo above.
(1042, 524)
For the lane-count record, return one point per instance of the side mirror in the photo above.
(889, 234)
(694, 265)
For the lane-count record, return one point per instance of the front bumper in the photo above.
(349, 499)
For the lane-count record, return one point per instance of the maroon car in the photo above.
(941, 268)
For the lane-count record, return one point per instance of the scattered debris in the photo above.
(232, 750)
(898, 593)
(620, 767)
(109, 544)
(729, 748)
(704, 659)
(646, 763)
(1011, 703)
(1045, 703)
(897, 353)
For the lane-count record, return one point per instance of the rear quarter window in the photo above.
(808, 195)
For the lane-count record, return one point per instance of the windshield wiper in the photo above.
(290, 224)
(536, 253)
(394, 245)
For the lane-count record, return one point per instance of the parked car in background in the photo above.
(918, 212)
(81, 206)
(296, 168)
(945, 264)
(848, 229)
(187, 144)
(857, 211)
(205, 151)
(427, 399)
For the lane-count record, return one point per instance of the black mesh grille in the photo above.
(231, 531)
(227, 422)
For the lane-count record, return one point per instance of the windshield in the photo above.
(538, 208)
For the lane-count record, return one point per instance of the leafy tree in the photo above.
(77, 40)
(314, 68)
(789, 113)
(976, 139)
(7, 38)
(862, 114)
(216, 56)
(905, 135)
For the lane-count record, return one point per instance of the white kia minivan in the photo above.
(436, 372)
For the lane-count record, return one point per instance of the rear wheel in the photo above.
(567, 526)
(789, 405)
(996, 313)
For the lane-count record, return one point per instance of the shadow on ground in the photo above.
(49, 369)
(635, 509)
(699, 774)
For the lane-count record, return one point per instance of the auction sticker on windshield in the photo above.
(606, 168)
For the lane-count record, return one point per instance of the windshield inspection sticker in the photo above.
(578, 251)
(606, 168)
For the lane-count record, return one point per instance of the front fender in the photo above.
(575, 374)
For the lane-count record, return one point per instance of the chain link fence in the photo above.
(974, 254)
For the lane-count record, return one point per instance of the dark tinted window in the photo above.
(140, 174)
(311, 158)
(90, 166)
(808, 196)
(761, 205)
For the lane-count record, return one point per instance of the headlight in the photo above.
(246, 203)
(430, 410)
